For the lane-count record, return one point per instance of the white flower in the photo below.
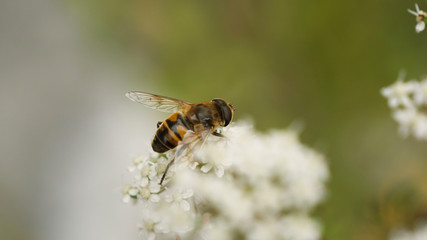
(138, 162)
(211, 157)
(398, 93)
(148, 190)
(420, 16)
(130, 192)
(411, 122)
(230, 200)
(303, 194)
(420, 94)
(218, 229)
(179, 220)
(126, 198)
(264, 187)
(420, 26)
(151, 225)
(419, 233)
(179, 197)
(300, 227)
(420, 127)
(267, 229)
(408, 101)
(133, 192)
(266, 197)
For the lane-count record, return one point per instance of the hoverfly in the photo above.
(188, 124)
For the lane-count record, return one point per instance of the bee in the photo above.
(189, 123)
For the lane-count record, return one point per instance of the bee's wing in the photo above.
(191, 141)
(185, 149)
(165, 104)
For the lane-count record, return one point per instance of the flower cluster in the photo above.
(419, 233)
(420, 18)
(408, 100)
(246, 185)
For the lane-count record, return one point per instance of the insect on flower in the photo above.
(190, 124)
(421, 15)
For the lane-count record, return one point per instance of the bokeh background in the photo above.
(68, 132)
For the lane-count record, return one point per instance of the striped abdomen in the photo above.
(170, 132)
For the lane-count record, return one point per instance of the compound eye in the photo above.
(228, 115)
(226, 110)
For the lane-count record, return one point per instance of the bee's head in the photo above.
(225, 109)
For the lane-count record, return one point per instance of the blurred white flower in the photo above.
(406, 119)
(300, 227)
(264, 187)
(420, 93)
(419, 27)
(179, 221)
(412, 122)
(217, 229)
(179, 197)
(408, 101)
(210, 158)
(420, 16)
(151, 225)
(266, 198)
(420, 127)
(268, 229)
(419, 233)
(399, 93)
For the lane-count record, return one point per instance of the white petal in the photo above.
(133, 191)
(144, 182)
(420, 127)
(193, 165)
(386, 91)
(407, 102)
(161, 227)
(420, 26)
(227, 162)
(393, 103)
(206, 168)
(126, 199)
(187, 193)
(184, 205)
(404, 130)
(154, 198)
(168, 198)
(154, 187)
(139, 166)
(412, 12)
(219, 171)
(151, 236)
(417, 8)
(153, 171)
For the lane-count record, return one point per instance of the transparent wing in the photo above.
(191, 141)
(165, 104)
(186, 147)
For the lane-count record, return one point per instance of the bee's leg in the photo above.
(166, 171)
(216, 133)
(159, 123)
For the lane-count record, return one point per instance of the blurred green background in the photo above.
(322, 63)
